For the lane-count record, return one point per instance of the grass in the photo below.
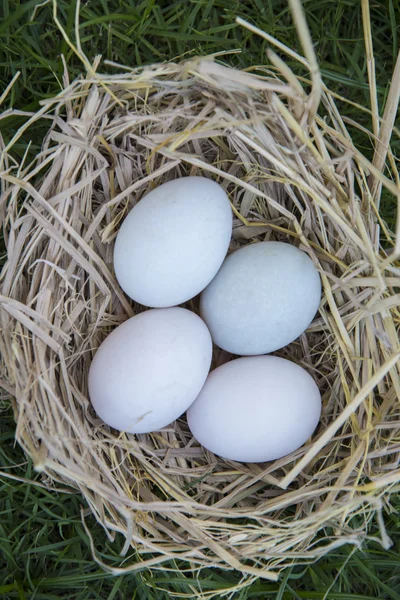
(44, 549)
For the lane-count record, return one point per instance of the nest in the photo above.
(283, 151)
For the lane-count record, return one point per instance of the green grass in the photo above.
(44, 550)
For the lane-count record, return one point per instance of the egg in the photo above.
(150, 369)
(172, 243)
(263, 297)
(255, 409)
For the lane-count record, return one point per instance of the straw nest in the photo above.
(291, 175)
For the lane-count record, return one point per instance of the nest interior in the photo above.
(292, 174)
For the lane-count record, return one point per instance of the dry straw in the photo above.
(281, 148)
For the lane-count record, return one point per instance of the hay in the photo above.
(292, 175)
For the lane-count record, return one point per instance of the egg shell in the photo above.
(263, 297)
(255, 409)
(150, 369)
(173, 242)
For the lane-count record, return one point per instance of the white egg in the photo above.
(263, 297)
(255, 409)
(173, 242)
(150, 369)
